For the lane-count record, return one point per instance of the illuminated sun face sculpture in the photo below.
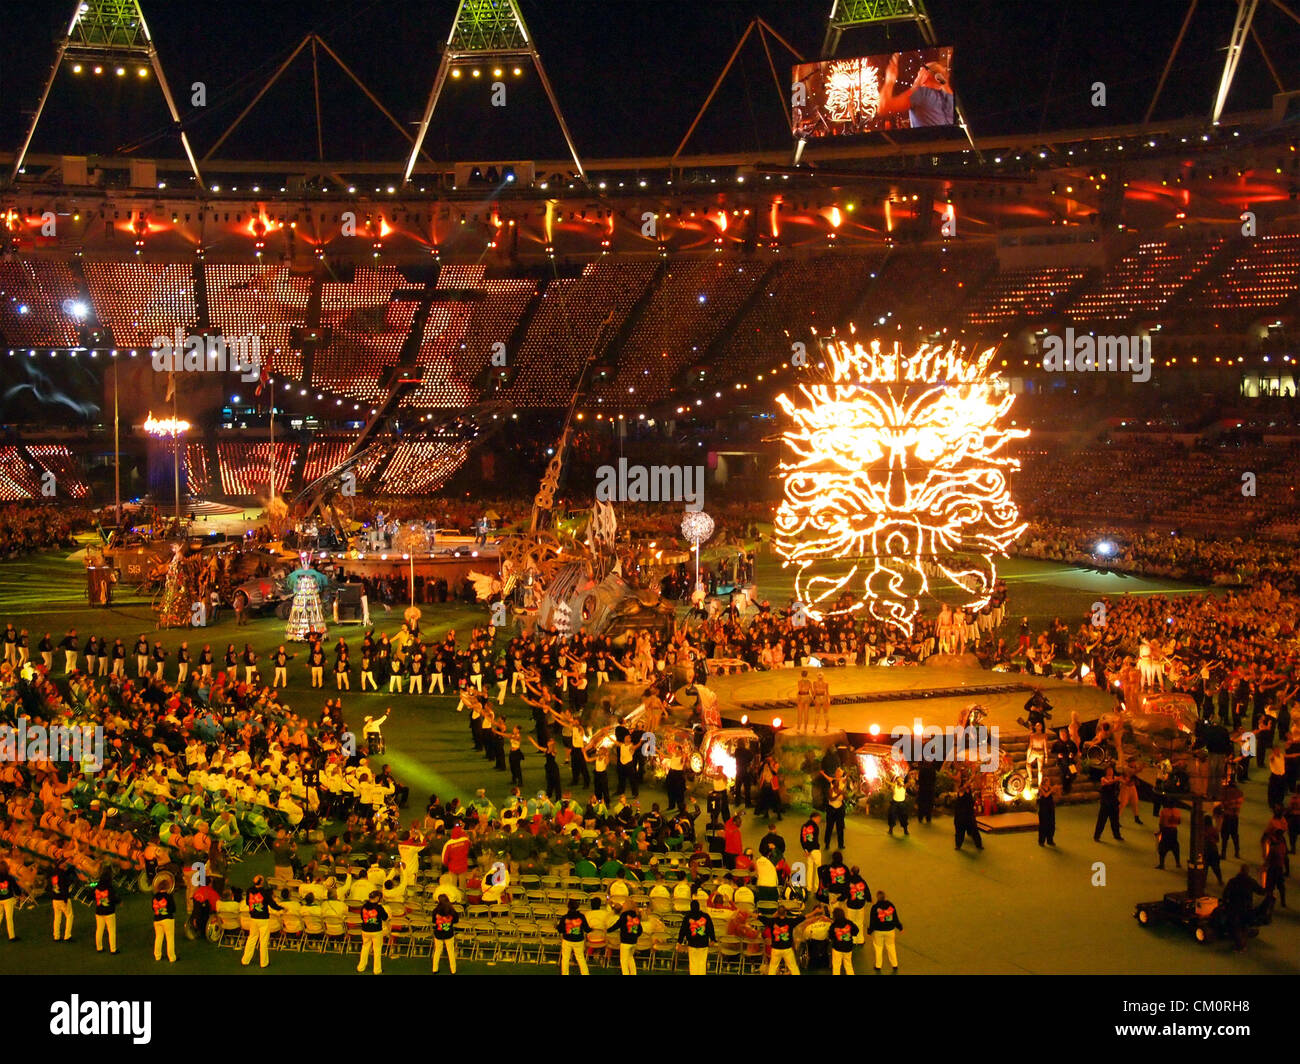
(896, 464)
(852, 91)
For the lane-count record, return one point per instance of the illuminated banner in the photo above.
(875, 93)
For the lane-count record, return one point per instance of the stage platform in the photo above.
(898, 696)
(1006, 823)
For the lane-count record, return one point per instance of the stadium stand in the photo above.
(368, 331)
(690, 304)
(262, 301)
(570, 315)
(246, 467)
(421, 466)
(140, 301)
(1011, 295)
(816, 293)
(17, 479)
(38, 300)
(58, 459)
(1145, 280)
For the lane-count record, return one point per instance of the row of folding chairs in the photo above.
(496, 942)
(736, 956)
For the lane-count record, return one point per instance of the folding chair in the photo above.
(731, 955)
(664, 953)
(231, 924)
(645, 952)
(291, 933)
(530, 944)
(509, 941)
(422, 935)
(335, 935)
(549, 953)
(475, 940)
(598, 941)
(352, 934)
(400, 942)
(313, 933)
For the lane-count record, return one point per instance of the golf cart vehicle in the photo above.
(1198, 915)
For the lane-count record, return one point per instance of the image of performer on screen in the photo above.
(929, 102)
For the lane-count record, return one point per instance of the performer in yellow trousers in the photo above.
(883, 928)
(260, 902)
(8, 898)
(697, 933)
(842, 933)
(781, 927)
(573, 928)
(444, 934)
(373, 918)
(105, 914)
(164, 924)
(61, 896)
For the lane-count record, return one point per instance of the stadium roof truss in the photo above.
(317, 44)
(849, 14)
(481, 30)
(1243, 26)
(764, 30)
(107, 31)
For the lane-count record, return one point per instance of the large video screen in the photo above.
(873, 94)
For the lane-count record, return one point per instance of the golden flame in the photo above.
(165, 426)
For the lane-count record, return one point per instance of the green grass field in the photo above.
(1015, 908)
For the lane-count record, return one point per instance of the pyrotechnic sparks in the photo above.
(897, 463)
(719, 757)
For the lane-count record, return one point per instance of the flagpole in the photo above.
(272, 439)
(117, 454)
(176, 451)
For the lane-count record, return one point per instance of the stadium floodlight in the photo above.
(482, 32)
(102, 32)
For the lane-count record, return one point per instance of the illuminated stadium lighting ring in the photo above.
(894, 461)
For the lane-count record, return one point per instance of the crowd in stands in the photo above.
(26, 528)
(1165, 554)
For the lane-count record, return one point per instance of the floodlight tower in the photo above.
(104, 32)
(484, 30)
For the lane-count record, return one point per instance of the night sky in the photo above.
(629, 74)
